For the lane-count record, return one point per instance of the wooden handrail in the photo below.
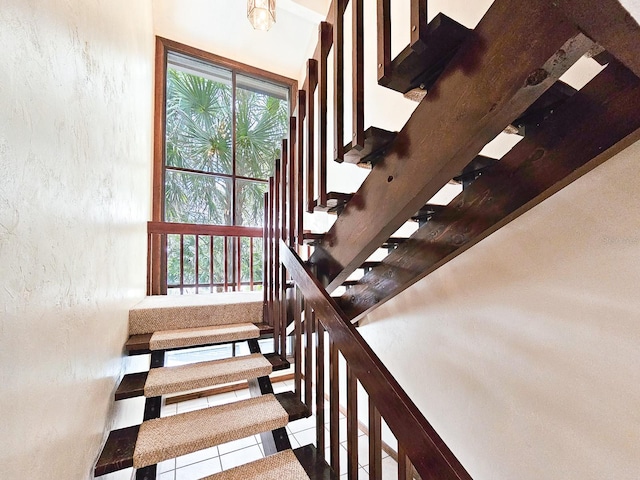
(198, 229)
(428, 453)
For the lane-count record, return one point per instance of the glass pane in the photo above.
(199, 116)
(195, 198)
(250, 202)
(262, 115)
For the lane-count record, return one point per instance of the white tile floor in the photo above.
(223, 457)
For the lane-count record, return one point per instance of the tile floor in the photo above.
(301, 432)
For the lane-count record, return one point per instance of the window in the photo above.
(224, 127)
(219, 127)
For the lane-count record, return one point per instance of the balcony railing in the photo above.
(193, 258)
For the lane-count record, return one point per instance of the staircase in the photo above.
(166, 323)
(504, 75)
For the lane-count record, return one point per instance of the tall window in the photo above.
(224, 129)
(219, 127)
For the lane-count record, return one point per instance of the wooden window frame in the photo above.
(163, 47)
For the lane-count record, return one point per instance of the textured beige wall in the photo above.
(75, 148)
(524, 351)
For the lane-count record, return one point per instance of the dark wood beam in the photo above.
(609, 24)
(514, 55)
(587, 129)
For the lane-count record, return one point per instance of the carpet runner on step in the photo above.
(164, 438)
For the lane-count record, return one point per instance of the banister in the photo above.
(198, 229)
(426, 450)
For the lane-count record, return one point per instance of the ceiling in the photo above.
(221, 27)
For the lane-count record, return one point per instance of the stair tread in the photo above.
(198, 375)
(168, 312)
(165, 380)
(273, 467)
(411, 69)
(194, 337)
(121, 445)
(375, 139)
(301, 463)
(186, 337)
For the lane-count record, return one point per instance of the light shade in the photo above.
(261, 13)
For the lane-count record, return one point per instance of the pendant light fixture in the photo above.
(261, 13)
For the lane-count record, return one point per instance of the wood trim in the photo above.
(551, 156)
(428, 452)
(542, 47)
(170, 228)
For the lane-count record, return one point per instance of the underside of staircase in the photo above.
(162, 323)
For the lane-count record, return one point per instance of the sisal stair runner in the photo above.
(168, 380)
(164, 438)
(279, 466)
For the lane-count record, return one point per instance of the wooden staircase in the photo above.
(207, 320)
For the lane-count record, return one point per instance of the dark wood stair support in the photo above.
(338, 82)
(546, 160)
(302, 112)
(409, 175)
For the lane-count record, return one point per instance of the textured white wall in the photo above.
(75, 155)
(523, 352)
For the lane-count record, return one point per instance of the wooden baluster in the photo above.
(320, 440)
(309, 324)
(225, 259)
(338, 81)
(352, 424)
(375, 442)
(405, 470)
(211, 264)
(302, 104)
(283, 235)
(384, 41)
(197, 260)
(418, 25)
(276, 258)
(181, 264)
(334, 407)
(292, 181)
(251, 263)
(357, 57)
(325, 46)
(150, 265)
(239, 262)
(312, 83)
(297, 318)
(268, 245)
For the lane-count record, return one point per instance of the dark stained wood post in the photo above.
(418, 25)
(283, 235)
(325, 46)
(302, 104)
(352, 423)
(320, 430)
(292, 180)
(276, 258)
(338, 81)
(334, 406)
(357, 58)
(311, 84)
(375, 442)
(384, 41)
